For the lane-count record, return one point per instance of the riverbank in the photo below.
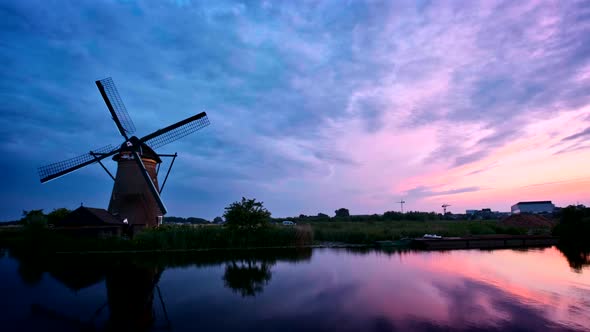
(370, 232)
(572, 225)
(170, 238)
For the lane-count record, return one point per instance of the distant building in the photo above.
(471, 212)
(533, 207)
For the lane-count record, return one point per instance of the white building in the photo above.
(533, 207)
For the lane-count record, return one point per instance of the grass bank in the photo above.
(160, 239)
(369, 232)
(176, 237)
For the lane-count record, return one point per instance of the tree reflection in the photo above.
(247, 278)
(577, 257)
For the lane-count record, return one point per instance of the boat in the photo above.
(431, 236)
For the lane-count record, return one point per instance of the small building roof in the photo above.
(87, 216)
(534, 202)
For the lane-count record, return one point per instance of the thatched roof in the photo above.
(87, 216)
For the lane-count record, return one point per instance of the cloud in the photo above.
(572, 148)
(583, 133)
(483, 169)
(320, 104)
(423, 191)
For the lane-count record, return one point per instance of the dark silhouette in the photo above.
(247, 214)
(342, 212)
(247, 278)
(136, 192)
(134, 299)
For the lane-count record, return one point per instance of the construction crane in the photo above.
(445, 206)
(401, 203)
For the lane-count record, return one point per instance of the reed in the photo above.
(369, 232)
(170, 237)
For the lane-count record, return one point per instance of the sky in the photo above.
(314, 105)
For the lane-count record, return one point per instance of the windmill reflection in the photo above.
(130, 299)
(134, 301)
(130, 293)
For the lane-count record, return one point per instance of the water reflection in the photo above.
(130, 293)
(246, 278)
(578, 257)
(268, 290)
(132, 281)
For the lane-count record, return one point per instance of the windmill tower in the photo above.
(445, 206)
(401, 203)
(136, 192)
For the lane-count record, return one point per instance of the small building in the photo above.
(88, 221)
(533, 207)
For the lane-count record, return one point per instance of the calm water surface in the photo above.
(299, 290)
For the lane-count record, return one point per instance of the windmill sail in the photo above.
(111, 97)
(176, 131)
(55, 170)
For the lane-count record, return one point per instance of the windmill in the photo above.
(445, 206)
(401, 203)
(136, 193)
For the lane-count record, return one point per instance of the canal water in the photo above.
(298, 290)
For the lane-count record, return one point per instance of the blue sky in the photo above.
(314, 105)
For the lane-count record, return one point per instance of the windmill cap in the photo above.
(146, 151)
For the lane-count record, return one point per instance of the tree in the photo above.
(247, 214)
(342, 212)
(57, 215)
(574, 225)
(34, 219)
(218, 220)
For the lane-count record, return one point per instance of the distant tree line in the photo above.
(343, 214)
(37, 219)
(189, 220)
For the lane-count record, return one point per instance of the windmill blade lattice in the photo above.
(176, 131)
(121, 114)
(58, 169)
